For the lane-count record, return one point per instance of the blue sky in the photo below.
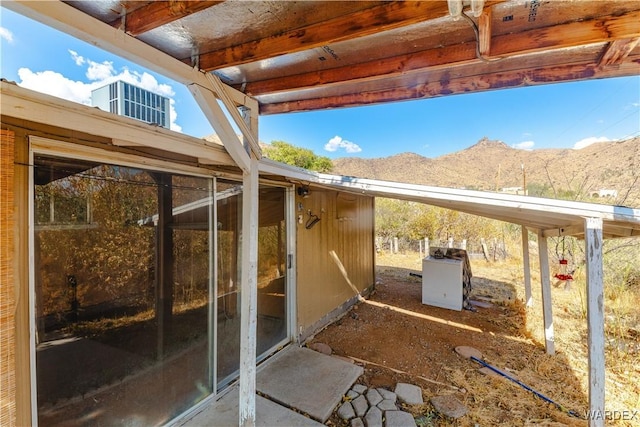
(568, 115)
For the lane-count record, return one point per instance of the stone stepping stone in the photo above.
(352, 394)
(321, 348)
(346, 411)
(373, 417)
(399, 419)
(360, 405)
(373, 397)
(449, 406)
(387, 405)
(387, 395)
(467, 352)
(409, 394)
(357, 422)
(359, 388)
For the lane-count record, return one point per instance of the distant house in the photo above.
(128, 100)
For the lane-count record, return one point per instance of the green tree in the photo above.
(284, 152)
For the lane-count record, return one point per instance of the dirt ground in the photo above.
(397, 338)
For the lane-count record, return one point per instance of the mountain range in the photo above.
(493, 165)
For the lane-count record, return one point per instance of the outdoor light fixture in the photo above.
(303, 192)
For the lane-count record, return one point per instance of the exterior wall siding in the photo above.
(335, 258)
(7, 289)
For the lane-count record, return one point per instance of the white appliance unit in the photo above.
(442, 282)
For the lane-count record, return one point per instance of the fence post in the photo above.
(420, 243)
(395, 245)
(450, 245)
(463, 245)
(426, 246)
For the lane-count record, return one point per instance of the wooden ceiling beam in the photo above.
(449, 56)
(579, 33)
(432, 59)
(617, 51)
(159, 13)
(387, 16)
(467, 84)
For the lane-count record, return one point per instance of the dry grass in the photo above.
(562, 377)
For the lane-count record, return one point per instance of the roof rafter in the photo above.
(384, 17)
(159, 13)
(508, 44)
(469, 83)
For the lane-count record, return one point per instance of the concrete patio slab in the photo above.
(306, 380)
(224, 412)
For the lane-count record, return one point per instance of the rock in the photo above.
(449, 406)
(373, 397)
(346, 411)
(373, 417)
(360, 406)
(387, 395)
(321, 347)
(467, 352)
(352, 394)
(387, 405)
(359, 388)
(357, 422)
(409, 393)
(399, 419)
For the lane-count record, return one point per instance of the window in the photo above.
(123, 285)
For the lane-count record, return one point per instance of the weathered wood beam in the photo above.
(484, 32)
(595, 319)
(545, 284)
(617, 51)
(432, 59)
(470, 83)
(386, 16)
(579, 33)
(158, 13)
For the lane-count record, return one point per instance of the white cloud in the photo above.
(337, 143)
(588, 141)
(79, 60)
(99, 74)
(524, 145)
(6, 35)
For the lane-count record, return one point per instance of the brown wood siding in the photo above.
(346, 240)
(7, 290)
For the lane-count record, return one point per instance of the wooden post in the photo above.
(395, 245)
(545, 282)
(450, 243)
(426, 246)
(595, 319)
(463, 245)
(249, 286)
(420, 243)
(528, 298)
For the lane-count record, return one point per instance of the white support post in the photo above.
(426, 246)
(528, 298)
(249, 281)
(463, 245)
(545, 282)
(248, 296)
(450, 242)
(595, 319)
